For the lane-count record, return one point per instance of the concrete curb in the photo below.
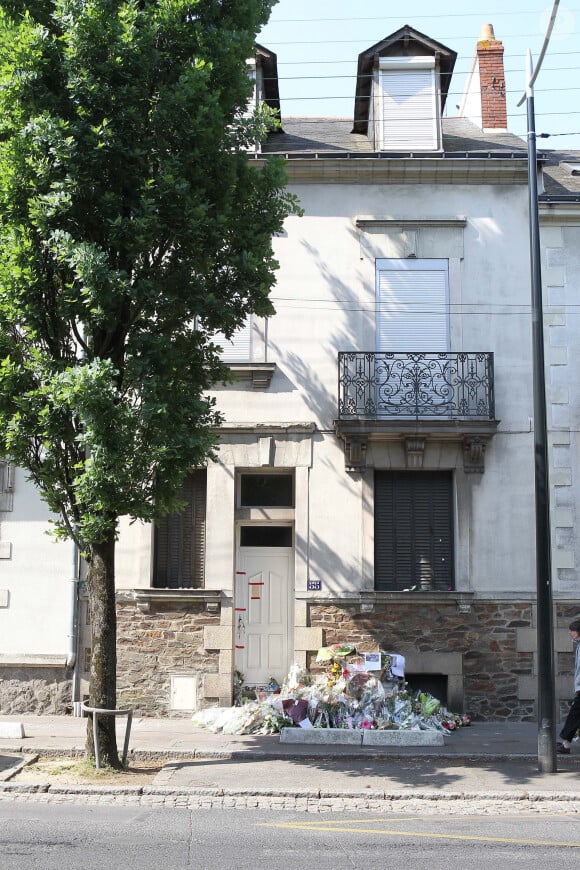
(9, 788)
(392, 753)
(11, 730)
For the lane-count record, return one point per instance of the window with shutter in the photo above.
(180, 539)
(238, 348)
(412, 305)
(412, 318)
(408, 104)
(414, 530)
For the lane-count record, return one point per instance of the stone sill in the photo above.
(144, 598)
(260, 374)
(368, 601)
(32, 661)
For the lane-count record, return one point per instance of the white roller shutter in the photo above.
(408, 101)
(412, 305)
(239, 347)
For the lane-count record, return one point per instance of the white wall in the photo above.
(37, 578)
(325, 303)
(560, 239)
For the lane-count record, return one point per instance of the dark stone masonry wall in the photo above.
(169, 640)
(485, 636)
(35, 690)
(153, 645)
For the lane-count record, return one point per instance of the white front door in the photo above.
(262, 611)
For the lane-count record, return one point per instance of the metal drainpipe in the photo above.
(72, 659)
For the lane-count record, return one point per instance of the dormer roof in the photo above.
(405, 42)
(267, 61)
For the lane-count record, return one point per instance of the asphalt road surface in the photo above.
(62, 837)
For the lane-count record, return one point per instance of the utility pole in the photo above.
(545, 629)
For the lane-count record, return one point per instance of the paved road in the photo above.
(67, 837)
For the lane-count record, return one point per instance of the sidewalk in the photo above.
(485, 760)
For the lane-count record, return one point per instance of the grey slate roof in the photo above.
(318, 135)
(559, 180)
(328, 136)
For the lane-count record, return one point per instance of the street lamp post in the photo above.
(545, 631)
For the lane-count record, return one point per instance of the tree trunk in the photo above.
(103, 684)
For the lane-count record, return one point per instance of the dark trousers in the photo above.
(572, 722)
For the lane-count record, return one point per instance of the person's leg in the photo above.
(572, 723)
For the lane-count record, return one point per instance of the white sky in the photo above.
(318, 43)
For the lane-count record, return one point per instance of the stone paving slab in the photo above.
(345, 737)
(402, 738)
(321, 736)
(332, 775)
(179, 736)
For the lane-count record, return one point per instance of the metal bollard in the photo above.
(95, 712)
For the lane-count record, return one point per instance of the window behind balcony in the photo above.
(412, 328)
(412, 305)
(413, 530)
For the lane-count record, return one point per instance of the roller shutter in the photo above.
(409, 110)
(238, 348)
(413, 530)
(180, 539)
(412, 305)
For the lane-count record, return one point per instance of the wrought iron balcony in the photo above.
(382, 385)
(415, 398)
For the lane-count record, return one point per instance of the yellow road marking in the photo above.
(314, 826)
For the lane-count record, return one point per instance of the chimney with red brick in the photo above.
(492, 80)
(484, 100)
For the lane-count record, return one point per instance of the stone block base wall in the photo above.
(35, 690)
(495, 680)
(486, 651)
(153, 646)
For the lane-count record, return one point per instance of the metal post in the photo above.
(545, 631)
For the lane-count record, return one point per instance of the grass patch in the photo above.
(83, 770)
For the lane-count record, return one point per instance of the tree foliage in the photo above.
(132, 227)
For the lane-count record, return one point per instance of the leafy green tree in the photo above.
(132, 227)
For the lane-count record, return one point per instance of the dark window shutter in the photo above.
(180, 539)
(199, 501)
(413, 530)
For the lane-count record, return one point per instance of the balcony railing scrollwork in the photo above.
(383, 385)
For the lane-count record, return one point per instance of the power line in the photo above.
(304, 62)
(452, 308)
(353, 77)
(314, 120)
(471, 39)
(552, 135)
(437, 17)
(456, 94)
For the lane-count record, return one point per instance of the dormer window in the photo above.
(263, 73)
(408, 112)
(255, 99)
(402, 85)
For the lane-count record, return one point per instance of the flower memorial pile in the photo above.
(355, 692)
